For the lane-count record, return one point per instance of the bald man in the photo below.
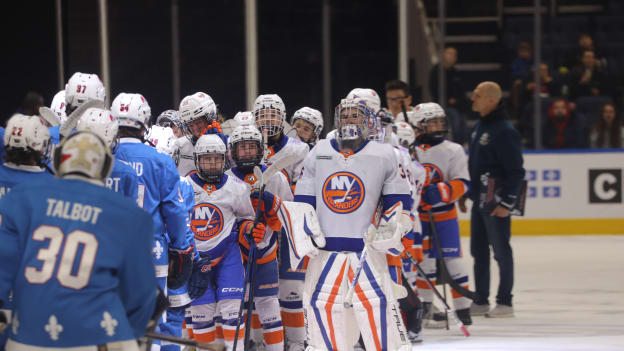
(495, 152)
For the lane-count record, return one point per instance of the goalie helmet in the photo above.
(270, 113)
(432, 122)
(195, 108)
(58, 106)
(370, 97)
(312, 116)
(242, 150)
(164, 140)
(354, 123)
(405, 133)
(83, 154)
(26, 138)
(131, 110)
(102, 123)
(83, 87)
(210, 169)
(245, 118)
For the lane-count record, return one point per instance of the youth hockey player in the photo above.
(222, 212)
(246, 148)
(123, 179)
(270, 114)
(197, 112)
(65, 244)
(346, 179)
(309, 124)
(447, 180)
(159, 190)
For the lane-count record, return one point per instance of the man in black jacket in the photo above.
(495, 152)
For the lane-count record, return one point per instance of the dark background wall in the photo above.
(212, 49)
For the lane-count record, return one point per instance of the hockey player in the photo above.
(82, 87)
(447, 180)
(197, 112)
(309, 124)
(270, 114)
(171, 119)
(246, 148)
(76, 256)
(346, 179)
(123, 179)
(159, 190)
(222, 212)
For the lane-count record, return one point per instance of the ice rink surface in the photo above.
(568, 295)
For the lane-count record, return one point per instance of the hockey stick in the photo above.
(437, 294)
(73, 118)
(445, 273)
(183, 341)
(49, 116)
(347, 302)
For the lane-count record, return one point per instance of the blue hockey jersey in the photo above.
(124, 180)
(78, 260)
(12, 174)
(159, 190)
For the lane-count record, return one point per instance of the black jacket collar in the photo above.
(498, 114)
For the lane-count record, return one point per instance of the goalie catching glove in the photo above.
(180, 267)
(394, 224)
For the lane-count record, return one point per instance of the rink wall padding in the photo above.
(570, 192)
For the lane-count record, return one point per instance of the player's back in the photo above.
(12, 175)
(123, 179)
(84, 272)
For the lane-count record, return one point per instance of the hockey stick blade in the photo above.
(278, 165)
(72, 120)
(182, 341)
(49, 116)
(435, 291)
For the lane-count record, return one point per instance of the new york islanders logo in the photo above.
(434, 175)
(343, 192)
(206, 221)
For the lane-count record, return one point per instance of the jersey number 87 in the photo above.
(49, 257)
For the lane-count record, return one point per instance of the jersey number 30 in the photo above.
(49, 254)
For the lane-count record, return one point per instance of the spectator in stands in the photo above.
(548, 85)
(574, 57)
(455, 93)
(562, 129)
(521, 65)
(588, 78)
(607, 132)
(398, 93)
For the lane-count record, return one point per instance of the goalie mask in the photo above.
(131, 111)
(103, 124)
(164, 140)
(82, 87)
(27, 140)
(197, 112)
(270, 113)
(432, 122)
(370, 97)
(83, 154)
(310, 130)
(246, 147)
(209, 158)
(354, 123)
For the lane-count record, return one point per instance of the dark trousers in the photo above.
(486, 231)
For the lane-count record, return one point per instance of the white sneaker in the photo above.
(479, 310)
(501, 311)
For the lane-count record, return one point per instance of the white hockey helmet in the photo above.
(169, 118)
(246, 133)
(354, 123)
(27, 134)
(270, 113)
(426, 113)
(198, 105)
(131, 110)
(102, 123)
(58, 106)
(369, 96)
(164, 140)
(205, 145)
(312, 116)
(245, 118)
(83, 154)
(82, 87)
(405, 133)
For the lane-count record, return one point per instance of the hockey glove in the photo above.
(269, 206)
(436, 193)
(180, 267)
(201, 277)
(256, 232)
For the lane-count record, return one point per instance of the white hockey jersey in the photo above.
(415, 174)
(187, 162)
(217, 209)
(288, 146)
(347, 188)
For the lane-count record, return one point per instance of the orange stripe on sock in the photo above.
(275, 337)
(293, 320)
(457, 295)
(228, 334)
(255, 322)
(422, 284)
(206, 337)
